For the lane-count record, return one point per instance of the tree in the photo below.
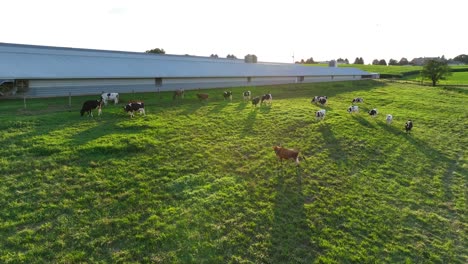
(461, 58)
(358, 60)
(250, 58)
(375, 62)
(435, 70)
(214, 55)
(346, 61)
(229, 56)
(310, 61)
(392, 62)
(156, 51)
(382, 62)
(403, 61)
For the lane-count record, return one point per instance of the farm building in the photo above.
(44, 71)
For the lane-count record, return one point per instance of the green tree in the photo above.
(156, 51)
(375, 62)
(403, 61)
(435, 70)
(382, 62)
(461, 58)
(392, 62)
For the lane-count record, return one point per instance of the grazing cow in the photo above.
(353, 108)
(247, 95)
(358, 100)
(267, 98)
(135, 106)
(320, 114)
(106, 97)
(202, 97)
(284, 153)
(373, 112)
(227, 94)
(255, 101)
(322, 100)
(179, 93)
(408, 126)
(90, 105)
(389, 119)
(316, 99)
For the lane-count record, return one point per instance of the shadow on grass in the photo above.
(291, 235)
(363, 121)
(192, 107)
(249, 123)
(331, 143)
(431, 153)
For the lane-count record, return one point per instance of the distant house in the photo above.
(43, 71)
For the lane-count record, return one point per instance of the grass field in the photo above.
(199, 182)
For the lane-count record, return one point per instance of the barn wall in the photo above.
(64, 87)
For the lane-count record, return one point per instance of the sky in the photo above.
(273, 30)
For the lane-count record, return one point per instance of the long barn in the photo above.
(44, 71)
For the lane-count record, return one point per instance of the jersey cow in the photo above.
(106, 97)
(284, 153)
(133, 107)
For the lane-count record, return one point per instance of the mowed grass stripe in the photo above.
(199, 182)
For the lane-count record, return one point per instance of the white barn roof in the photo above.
(43, 62)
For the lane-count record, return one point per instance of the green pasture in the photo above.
(198, 182)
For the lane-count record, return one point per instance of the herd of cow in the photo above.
(282, 153)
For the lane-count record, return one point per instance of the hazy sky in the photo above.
(273, 30)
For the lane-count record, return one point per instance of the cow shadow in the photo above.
(436, 156)
(332, 143)
(290, 233)
(219, 106)
(364, 122)
(242, 105)
(249, 123)
(192, 107)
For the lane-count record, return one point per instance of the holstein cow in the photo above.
(227, 94)
(90, 105)
(110, 97)
(408, 126)
(320, 114)
(316, 99)
(389, 119)
(179, 93)
(322, 100)
(247, 95)
(284, 153)
(373, 112)
(353, 108)
(255, 101)
(202, 97)
(358, 100)
(267, 98)
(135, 106)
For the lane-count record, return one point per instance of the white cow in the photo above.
(389, 119)
(320, 114)
(110, 97)
(353, 108)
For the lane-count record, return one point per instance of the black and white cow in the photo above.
(320, 114)
(133, 107)
(255, 101)
(353, 109)
(373, 112)
(358, 100)
(247, 95)
(408, 126)
(316, 99)
(267, 98)
(106, 97)
(227, 94)
(90, 105)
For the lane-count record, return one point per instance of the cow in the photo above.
(389, 119)
(267, 98)
(227, 94)
(284, 153)
(202, 97)
(179, 93)
(353, 108)
(322, 100)
(90, 105)
(135, 106)
(316, 99)
(247, 95)
(408, 126)
(106, 97)
(320, 114)
(358, 100)
(255, 101)
(373, 112)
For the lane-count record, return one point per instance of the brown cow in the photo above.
(284, 153)
(202, 97)
(179, 93)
